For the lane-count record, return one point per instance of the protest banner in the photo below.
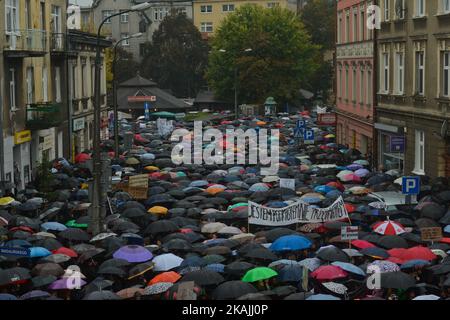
(431, 234)
(140, 180)
(287, 183)
(138, 193)
(298, 212)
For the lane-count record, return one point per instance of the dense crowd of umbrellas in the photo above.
(193, 226)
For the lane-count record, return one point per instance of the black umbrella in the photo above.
(249, 247)
(74, 234)
(90, 254)
(432, 211)
(396, 280)
(276, 233)
(203, 277)
(112, 271)
(161, 226)
(47, 269)
(177, 244)
(261, 254)
(426, 223)
(102, 295)
(42, 281)
(238, 268)
(392, 241)
(83, 247)
(49, 243)
(332, 253)
(116, 263)
(12, 275)
(232, 290)
(133, 213)
(298, 296)
(98, 284)
(140, 269)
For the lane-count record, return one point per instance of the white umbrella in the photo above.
(213, 227)
(230, 230)
(427, 297)
(335, 287)
(165, 262)
(102, 236)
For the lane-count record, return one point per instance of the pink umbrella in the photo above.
(328, 273)
(350, 177)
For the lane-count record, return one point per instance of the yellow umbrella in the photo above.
(158, 210)
(132, 161)
(329, 136)
(6, 201)
(151, 168)
(84, 186)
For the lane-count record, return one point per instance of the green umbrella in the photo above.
(163, 114)
(73, 224)
(259, 273)
(240, 204)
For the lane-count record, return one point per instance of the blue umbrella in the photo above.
(414, 263)
(447, 229)
(276, 204)
(349, 267)
(333, 194)
(323, 189)
(215, 242)
(18, 243)
(290, 273)
(291, 243)
(199, 183)
(116, 167)
(322, 297)
(259, 187)
(35, 294)
(148, 156)
(311, 200)
(39, 252)
(216, 267)
(7, 296)
(54, 226)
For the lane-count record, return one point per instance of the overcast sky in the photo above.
(83, 3)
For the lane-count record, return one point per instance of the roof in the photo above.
(163, 99)
(138, 81)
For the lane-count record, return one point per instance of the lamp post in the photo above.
(114, 81)
(235, 83)
(98, 199)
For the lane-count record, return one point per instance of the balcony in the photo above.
(58, 43)
(42, 116)
(25, 43)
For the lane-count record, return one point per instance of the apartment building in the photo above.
(414, 86)
(355, 76)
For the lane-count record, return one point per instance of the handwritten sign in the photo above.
(138, 193)
(349, 232)
(431, 234)
(140, 180)
(287, 183)
(186, 291)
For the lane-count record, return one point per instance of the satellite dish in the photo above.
(444, 129)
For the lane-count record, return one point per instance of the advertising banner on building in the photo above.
(326, 119)
(298, 212)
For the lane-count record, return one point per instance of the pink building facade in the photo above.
(355, 74)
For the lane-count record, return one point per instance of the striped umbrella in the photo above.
(388, 227)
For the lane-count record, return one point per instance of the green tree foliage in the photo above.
(280, 63)
(126, 66)
(177, 56)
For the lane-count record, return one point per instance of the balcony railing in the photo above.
(28, 41)
(42, 116)
(58, 42)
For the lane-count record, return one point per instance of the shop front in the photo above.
(391, 147)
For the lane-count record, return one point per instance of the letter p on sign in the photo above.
(410, 185)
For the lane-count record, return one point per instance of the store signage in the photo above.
(78, 124)
(22, 136)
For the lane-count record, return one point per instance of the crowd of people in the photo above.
(190, 237)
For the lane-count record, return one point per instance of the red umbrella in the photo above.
(362, 244)
(82, 157)
(419, 253)
(185, 230)
(350, 208)
(328, 273)
(337, 185)
(22, 228)
(66, 251)
(445, 240)
(111, 154)
(397, 252)
(388, 227)
(395, 260)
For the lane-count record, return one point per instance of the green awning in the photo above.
(163, 114)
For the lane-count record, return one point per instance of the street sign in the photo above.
(397, 144)
(349, 233)
(308, 136)
(147, 111)
(301, 123)
(431, 234)
(14, 251)
(326, 119)
(287, 183)
(410, 185)
(298, 132)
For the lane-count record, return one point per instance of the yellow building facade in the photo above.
(208, 14)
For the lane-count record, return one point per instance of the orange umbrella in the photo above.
(130, 293)
(169, 276)
(260, 123)
(214, 191)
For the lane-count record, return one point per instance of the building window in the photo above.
(347, 27)
(206, 9)
(400, 9)
(206, 27)
(362, 25)
(74, 82)
(12, 15)
(26, 174)
(228, 7)
(44, 84)
(30, 85)
(386, 10)
(385, 73)
(57, 84)
(355, 26)
(27, 14)
(346, 84)
(182, 10)
(445, 6)
(127, 41)
(43, 16)
(446, 74)
(141, 49)
(92, 79)
(361, 86)
(369, 88)
(124, 17)
(106, 14)
(56, 19)
(12, 89)
(83, 78)
(420, 8)
(339, 28)
(354, 85)
(420, 71)
(399, 72)
(339, 84)
(419, 163)
(160, 13)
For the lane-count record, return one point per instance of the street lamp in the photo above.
(114, 81)
(98, 199)
(235, 82)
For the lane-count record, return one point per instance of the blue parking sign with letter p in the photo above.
(410, 185)
(300, 123)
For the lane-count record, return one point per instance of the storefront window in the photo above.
(390, 158)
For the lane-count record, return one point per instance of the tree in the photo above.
(280, 62)
(126, 66)
(319, 18)
(177, 56)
